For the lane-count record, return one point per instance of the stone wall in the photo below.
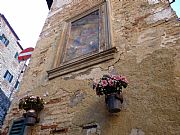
(10, 63)
(147, 37)
(7, 58)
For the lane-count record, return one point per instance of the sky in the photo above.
(176, 7)
(27, 18)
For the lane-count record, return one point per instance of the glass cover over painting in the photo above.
(83, 36)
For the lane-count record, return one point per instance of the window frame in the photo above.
(61, 68)
(4, 40)
(8, 76)
(104, 31)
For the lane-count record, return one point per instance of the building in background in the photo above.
(81, 41)
(11, 69)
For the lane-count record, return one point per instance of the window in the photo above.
(16, 55)
(4, 40)
(16, 85)
(8, 76)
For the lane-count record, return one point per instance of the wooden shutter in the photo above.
(18, 127)
(6, 74)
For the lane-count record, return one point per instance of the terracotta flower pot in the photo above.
(31, 118)
(114, 103)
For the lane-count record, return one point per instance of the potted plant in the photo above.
(111, 86)
(32, 105)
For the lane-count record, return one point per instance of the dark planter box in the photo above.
(114, 103)
(31, 118)
(30, 121)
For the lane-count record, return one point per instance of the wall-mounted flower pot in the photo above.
(31, 118)
(111, 86)
(114, 103)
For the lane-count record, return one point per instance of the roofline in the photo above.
(14, 33)
(20, 45)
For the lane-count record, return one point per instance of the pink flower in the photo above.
(116, 77)
(123, 78)
(104, 83)
(111, 82)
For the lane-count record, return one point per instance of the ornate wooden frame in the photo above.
(61, 68)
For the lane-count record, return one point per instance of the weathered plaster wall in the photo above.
(147, 37)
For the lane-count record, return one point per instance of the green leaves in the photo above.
(31, 102)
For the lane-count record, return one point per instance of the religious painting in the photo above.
(85, 40)
(83, 36)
